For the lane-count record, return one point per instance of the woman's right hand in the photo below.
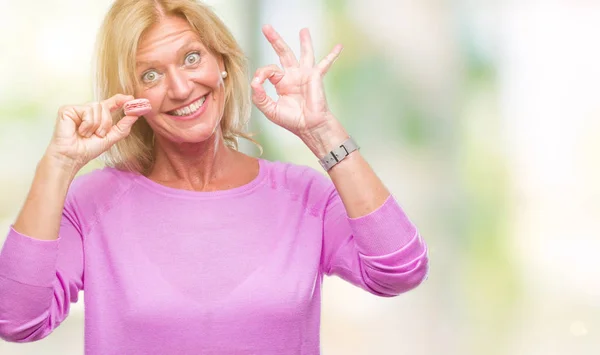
(84, 132)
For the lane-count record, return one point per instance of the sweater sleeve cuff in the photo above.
(27, 260)
(383, 231)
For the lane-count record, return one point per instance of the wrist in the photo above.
(325, 138)
(58, 164)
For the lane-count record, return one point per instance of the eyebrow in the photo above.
(154, 63)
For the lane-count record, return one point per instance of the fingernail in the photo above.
(256, 80)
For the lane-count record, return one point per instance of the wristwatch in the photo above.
(338, 154)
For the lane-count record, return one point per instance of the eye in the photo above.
(192, 58)
(150, 76)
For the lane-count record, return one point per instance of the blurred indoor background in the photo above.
(482, 117)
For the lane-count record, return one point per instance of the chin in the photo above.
(198, 135)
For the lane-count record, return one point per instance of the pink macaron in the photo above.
(137, 107)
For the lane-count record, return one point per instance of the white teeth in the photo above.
(188, 110)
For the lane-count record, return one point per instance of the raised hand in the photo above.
(84, 132)
(302, 106)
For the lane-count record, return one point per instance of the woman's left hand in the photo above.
(301, 107)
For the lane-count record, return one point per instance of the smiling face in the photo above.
(182, 80)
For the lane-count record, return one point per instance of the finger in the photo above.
(97, 117)
(307, 56)
(121, 129)
(86, 115)
(271, 72)
(67, 114)
(326, 63)
(117, 101)
(260, 98)
(286, 56)
(106, 120)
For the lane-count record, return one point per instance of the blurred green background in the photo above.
(480, 116)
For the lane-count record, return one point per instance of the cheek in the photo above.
(209, 78)
(155, 95)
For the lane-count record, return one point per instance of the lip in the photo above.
(193, 115)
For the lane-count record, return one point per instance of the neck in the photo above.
(192, 166)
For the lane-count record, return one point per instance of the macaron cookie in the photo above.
(137, 107)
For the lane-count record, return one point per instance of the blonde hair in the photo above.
(116, 47)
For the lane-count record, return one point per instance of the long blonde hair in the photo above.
(116, 47)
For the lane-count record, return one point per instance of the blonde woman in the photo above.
(183, 244)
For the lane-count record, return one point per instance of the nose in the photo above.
(180, 85)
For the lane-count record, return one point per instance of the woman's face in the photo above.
(182, 80)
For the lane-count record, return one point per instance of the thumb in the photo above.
(121, 129)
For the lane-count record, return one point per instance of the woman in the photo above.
(183, 244)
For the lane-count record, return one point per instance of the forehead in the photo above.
(170, 33)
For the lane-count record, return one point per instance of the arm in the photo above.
(81, 134)
(368, 240)
(41, 261)
(41, 213)
(359, 187)
(303, 110)
(381, 252)
(40, 276)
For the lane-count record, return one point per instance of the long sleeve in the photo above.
(38, 280)
(381, 252)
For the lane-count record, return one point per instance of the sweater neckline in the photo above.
(166, 190)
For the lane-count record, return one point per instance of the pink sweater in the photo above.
(169, 271)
